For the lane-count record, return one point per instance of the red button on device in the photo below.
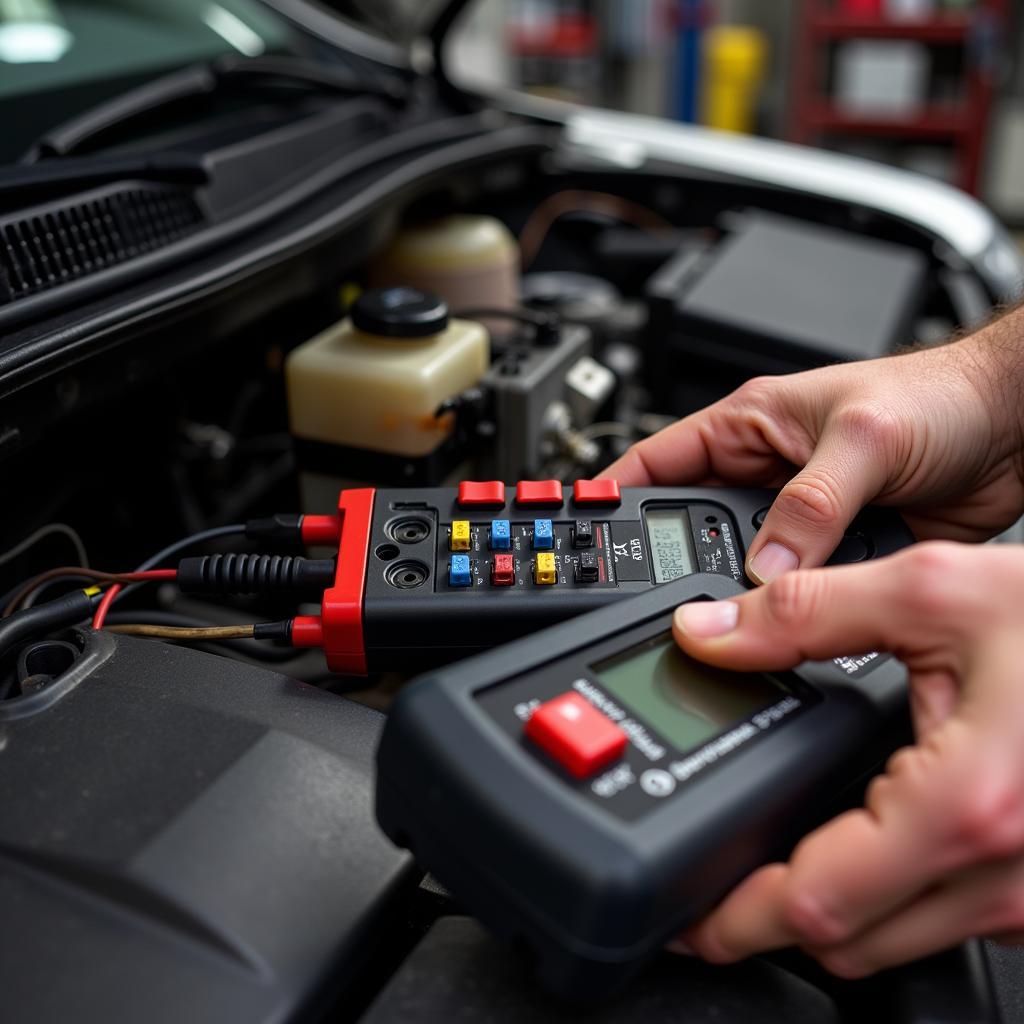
(596, 492)
(539, 492)
(575, 734)
(490, 492)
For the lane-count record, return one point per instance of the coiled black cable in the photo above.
(253, 574)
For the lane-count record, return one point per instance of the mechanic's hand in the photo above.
(937, 853)
(937, 432)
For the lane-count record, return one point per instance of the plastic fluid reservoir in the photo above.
(471, 261)
(375, 380)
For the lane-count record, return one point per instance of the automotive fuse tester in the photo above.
(429, 575)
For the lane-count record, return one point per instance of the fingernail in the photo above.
(703, 619)
(680, 947)
(771, 561)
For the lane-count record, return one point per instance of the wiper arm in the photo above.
(196, 83)
(300, 71)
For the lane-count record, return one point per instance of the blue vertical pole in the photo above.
(687, 63)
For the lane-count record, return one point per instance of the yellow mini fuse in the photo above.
(460, 535)
(544, 568)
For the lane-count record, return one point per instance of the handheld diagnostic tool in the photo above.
(591, 790)
(428, 575)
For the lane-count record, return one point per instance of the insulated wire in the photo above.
(609, 429)
(521, 315)
(540, 222)
(256, 649)
(100, 615)
(73, 572)
(186, 632)
(45, 531)
(161, 556)
(76, 606)
(188, 542)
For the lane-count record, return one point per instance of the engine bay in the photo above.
(191, 806)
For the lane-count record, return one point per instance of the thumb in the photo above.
(816, 614)
(809, 516)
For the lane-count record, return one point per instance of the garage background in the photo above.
(935, 86)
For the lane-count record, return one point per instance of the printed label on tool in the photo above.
(629, 552)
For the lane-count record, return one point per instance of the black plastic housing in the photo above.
(434, 623)
(591, 895)
(187, 838)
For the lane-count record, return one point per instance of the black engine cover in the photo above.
(185, 838)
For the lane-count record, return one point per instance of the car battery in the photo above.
(775, 295)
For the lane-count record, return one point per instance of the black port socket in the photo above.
(407, 575)
(409, 530)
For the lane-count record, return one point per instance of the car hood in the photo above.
(401, 22)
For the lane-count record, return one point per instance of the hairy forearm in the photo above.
(992, 358)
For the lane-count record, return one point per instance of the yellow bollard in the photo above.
(733, 68)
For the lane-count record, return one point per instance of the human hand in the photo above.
(936, 432)
(936, 854)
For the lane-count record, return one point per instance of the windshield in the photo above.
(61, 57)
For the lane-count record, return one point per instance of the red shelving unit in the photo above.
(942, 28)
(935, 122)
(963, 124)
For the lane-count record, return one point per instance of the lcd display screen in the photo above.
(686, 701)
(668, 530)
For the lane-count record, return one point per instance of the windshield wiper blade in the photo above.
(197, 83)
(188, 84)
(57, 176)
(301, 71)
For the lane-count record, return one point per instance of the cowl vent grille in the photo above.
(52, 245)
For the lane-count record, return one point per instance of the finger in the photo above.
(748, 921)
(980, 901)
(739, 440)
(948, 808)
(918, 600)
(811, 513)
(840, 878)
(675, 455)
(993, 691)
(933, 699)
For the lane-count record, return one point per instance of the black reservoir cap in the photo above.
(399, 313)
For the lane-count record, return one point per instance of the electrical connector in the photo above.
(292, 528)
(254, 574)
(282, 528)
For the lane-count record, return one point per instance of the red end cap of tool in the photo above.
(341, 613)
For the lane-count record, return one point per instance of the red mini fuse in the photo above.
(503, 571)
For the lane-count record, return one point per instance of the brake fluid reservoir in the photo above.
(471, 261)
(375, 380)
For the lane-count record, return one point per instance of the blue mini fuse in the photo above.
(501, 535)
(458, 572)
(542, 534)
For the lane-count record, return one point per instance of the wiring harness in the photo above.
(26, 616)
